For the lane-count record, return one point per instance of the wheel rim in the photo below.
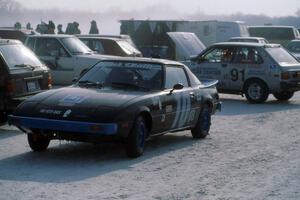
(141, 135)
(255, 91)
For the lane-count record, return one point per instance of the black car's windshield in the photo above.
(17, 55)
(121, 74)
(75, 46)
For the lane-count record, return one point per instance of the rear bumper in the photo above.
(290, 86)
(63, 125)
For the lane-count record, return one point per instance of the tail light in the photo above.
(10, 87)
(49, 81)
(285, 75)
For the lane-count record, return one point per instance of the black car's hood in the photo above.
(73, 103)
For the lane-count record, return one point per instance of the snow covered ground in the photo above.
(252, 153)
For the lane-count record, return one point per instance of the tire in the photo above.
(135, 143)
(256, 91)
(284, 96)
(201, 130)
(38, 141)
(3, 117)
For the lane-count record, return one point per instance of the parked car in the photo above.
(16, 34)
(253, 69)
(294, 48)
(249, 39)
(110, 45)
(21, 75)
(275, 34)
(131, 99)
(65, 55)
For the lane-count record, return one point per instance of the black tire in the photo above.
(256, 91)
(201, 130)
(38, 141)
(135, 143)
(3, 117)
(283, 96)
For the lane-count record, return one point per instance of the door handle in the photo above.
(224, 65)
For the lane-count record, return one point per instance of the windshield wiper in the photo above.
(27, 66)
(129, 85)
(90, 83)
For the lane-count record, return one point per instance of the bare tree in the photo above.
(7, 6)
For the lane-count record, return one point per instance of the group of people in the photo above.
(49, 28)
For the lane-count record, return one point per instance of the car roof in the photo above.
(272, 26)
(145, 60)
(100, 37)
(245, 44)
(294, 41)
(9, 41)
(52, 36)
(258, 38)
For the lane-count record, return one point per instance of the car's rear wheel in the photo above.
(256, 91)
(3, 117)
(135, 143)
(38, 141)
(201, 130)
(283, 96)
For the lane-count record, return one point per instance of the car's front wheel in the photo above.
(283, 96)
(201, 130)
(135, 143)
(256, 91)
(38, 141)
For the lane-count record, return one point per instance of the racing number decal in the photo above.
(235, 74)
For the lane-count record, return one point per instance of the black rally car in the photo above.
(128, 98)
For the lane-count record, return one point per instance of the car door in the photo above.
(247, 61)
(213, 63)
(55, 56)
(177, 103)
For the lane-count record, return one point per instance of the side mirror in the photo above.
(177, 86)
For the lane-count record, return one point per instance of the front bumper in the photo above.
(290, 86)
(63, 125)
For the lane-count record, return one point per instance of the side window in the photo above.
(30, 43)
(218, 55)
(49, 47)
(97, 46)
(248, 55)
(175, 75)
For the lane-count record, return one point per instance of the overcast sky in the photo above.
(266, 7)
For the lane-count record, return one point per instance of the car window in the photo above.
(248, 55)
(17, 55)
(294, 47)
(281, 56)
(49, 47)
(144, 75)
(175, 75)
(218, 55)
(75, 46)
(30, 43)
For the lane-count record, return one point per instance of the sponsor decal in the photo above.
(50, 111)
(67, 113)
(157, 102)
(71, 100)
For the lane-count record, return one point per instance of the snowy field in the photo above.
(253, 152)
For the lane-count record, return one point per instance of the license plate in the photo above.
(32, 86)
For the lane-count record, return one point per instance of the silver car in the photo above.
(253, 69)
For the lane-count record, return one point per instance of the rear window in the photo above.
(281, 56)
(17, 55)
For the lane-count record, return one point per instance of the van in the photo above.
(22, 75)
(275, 34)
